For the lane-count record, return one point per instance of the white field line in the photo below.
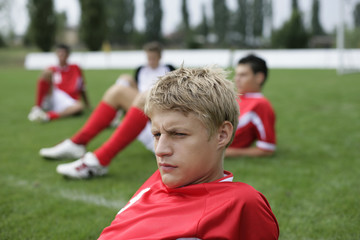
(72, 195)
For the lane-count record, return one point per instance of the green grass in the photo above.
(312, 183)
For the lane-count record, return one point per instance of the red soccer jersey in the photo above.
(256, 122)
(217, 210)
(68, 79)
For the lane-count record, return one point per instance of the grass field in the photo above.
(312, 183)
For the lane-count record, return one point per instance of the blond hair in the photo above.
(203, 91)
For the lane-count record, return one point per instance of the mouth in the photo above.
(165, 167)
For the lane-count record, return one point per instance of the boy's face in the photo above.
(245, 79)
(62, 55)
(153, 58)
(184, 153)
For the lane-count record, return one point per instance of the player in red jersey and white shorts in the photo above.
(257, 117)
(193, 115)
(59, 90)
(128, 93)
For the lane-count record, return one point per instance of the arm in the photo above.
(85, 98)
(257, 220)
(247, 152)
(83, 89)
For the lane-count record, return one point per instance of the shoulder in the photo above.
(237, 195)
(138, 69)
(261, 103)
(170, 67)
(239, 189)
(74, 66)
(51, 69)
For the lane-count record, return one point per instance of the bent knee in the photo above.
(114, 91)
(140, 99)
(126, 80)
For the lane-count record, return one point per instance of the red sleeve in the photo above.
(257, 221)
(81, 76)
(266, 127)
(238, 211)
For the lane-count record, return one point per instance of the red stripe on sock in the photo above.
(100, 118)
(43, 87)
(133, 123)
(52, 115)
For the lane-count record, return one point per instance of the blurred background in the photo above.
(180, 24)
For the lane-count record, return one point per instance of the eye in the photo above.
(156, 135)
(179, 134)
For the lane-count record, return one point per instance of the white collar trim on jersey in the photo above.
(228, 179)
(253, 95)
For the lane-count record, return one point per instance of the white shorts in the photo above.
(58, 101)
(147, 138)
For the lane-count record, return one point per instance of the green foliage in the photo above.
(203, 28)
(221, 20)
(93, 24)
(294, 5)
(2, 41)
(185, 15)
(315, 19)
(292, 34)
(352, 38)
(239, 22)
(258, 18)
(311, 183)
(153, 18)
(120, 21)
(61, 19)
(356, 15)
(42, 27)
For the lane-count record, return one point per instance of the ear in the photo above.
(259, 78)
(225, 134)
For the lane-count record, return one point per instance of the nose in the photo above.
(163, 146)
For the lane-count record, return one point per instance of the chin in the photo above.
(170, 184)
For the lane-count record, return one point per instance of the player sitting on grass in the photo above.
(128, 94)
(193, 113)
(257, 118)
(59, 90)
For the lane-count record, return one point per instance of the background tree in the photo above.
(185, 15)
(93, 23)
(120, 21)
(61, 20)
(42, 27)
(293, 33)
(352, 36)
(153, 18)
(294, 5)
(186, 29)
(316, 28)
(356, 15)
(258, 20)
(3, 12)
(203, 27)
(240, 22)
(221, 20)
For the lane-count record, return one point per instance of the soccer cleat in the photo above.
(65, 149)
(38, 115)
(85, 167)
